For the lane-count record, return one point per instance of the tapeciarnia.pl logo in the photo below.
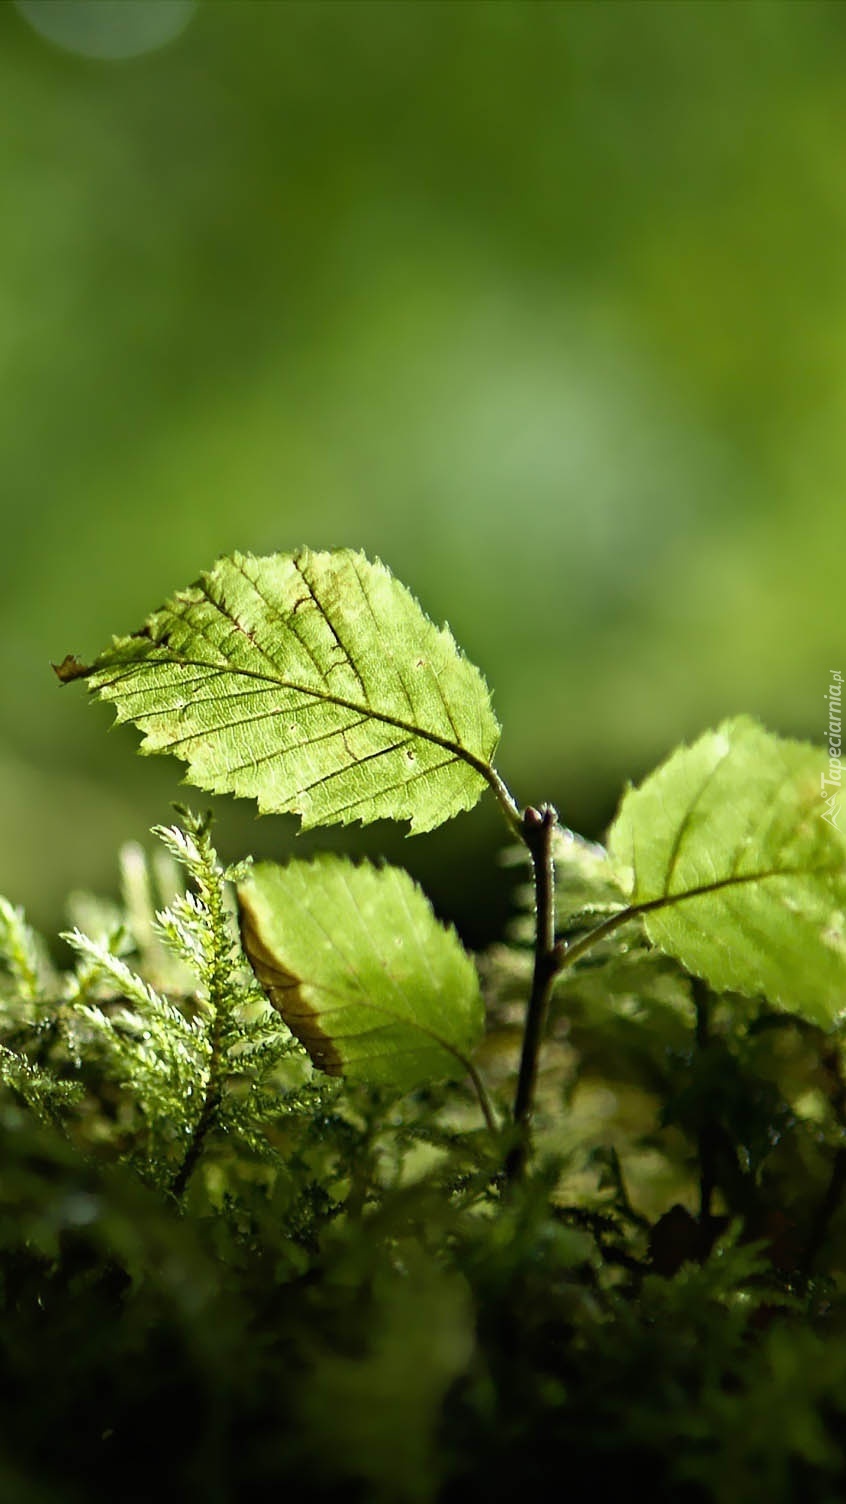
(832, 781)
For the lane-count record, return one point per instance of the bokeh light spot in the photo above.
(108, 29)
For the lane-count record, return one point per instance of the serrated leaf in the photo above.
(364, 975)
(312, 682)
(727, 852)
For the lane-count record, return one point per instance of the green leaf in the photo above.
(362, 972)
(312, 682)
(728, 852)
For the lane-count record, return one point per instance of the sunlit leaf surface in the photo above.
(361, 970)
(312, 682)
(729, 843)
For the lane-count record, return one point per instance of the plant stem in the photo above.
(217, 954)
(208, 1110)
(201, 1128)
(506, 800)
(537, 830)
(484, 1099)
(707, 1132)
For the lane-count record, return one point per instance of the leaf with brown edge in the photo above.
(363, 974)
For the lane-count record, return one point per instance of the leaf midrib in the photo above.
(733, 880)
(586, 942)
(484, 769)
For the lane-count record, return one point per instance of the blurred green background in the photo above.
(545, 304)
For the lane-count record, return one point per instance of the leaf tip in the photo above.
(70, 668)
